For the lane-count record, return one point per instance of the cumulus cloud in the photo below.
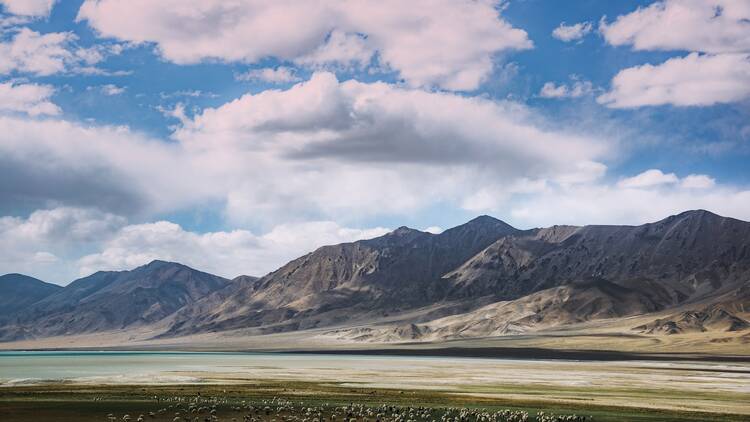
(352, 147)
(46, 242)
(62, 224)
(66, 163)
(32, 99)
(111, 89)
(322, 149)
(35, 8)
(446, 43)
(574, 32)
(709, 26)
(195, 93)
(641, 198)
(648, 178)
(63, 243)
(698, 181)
(717, 70)
(340, 49)
(7, 21)
(575, 90)
(655, 177)
(693, 80)
(279, 75)
(323, 118)
(602, 203)
(29, 51)
(229, 253)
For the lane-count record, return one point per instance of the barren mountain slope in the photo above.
(395, 272)
(20, 291)
(678, 259)
(687, 273)
(114, 300)
(568, 306)
(582, 273)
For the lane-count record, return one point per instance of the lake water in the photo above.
(19, 368)
(698, 386)
(162, 367)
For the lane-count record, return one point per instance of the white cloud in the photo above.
(297, 239)
(433, 229)
(64, 223)
(351, 148)
(601, 203)
(32, 99)
(575, 90)
(195, 93)
(698, 181)
(717, 28)
(111, 89)
(232, 253)
(550, 90)
(45, 54)
(322, 149)
(649, 196)
(574, 32)
(61, 244)
(693, 80)
(580, 172)
(35, 8)
(44, 258)
(444, 43)
(47, 242)
(709, 26)
(59, 162)
(279, 75)
(340, 49)
(648, 178)
(7, 21)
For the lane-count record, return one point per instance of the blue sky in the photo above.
(236, 136)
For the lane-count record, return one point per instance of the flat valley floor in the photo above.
(85, 386)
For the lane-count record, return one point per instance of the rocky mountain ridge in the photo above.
(483, 278)
(19, 291)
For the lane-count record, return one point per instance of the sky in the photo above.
(234, 135)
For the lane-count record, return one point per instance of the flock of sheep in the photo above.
(210, 409)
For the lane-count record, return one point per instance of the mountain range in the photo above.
(686, 274)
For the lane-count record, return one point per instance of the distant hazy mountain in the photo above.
(483, 278)
(115, 300)
(18, 291)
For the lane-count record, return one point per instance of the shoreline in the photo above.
(530, 353)
(512, 353)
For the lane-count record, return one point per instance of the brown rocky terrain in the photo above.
(688, 273)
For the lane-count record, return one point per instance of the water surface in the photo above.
(447, 373)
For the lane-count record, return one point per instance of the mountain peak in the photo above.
(484, 223)
(698, 213)
(694, 216)
(158, 263)
(404, 231)
(19, 291)
(16, 278)
(484, 218)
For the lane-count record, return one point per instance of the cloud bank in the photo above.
(716, 32)
(445, 43)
